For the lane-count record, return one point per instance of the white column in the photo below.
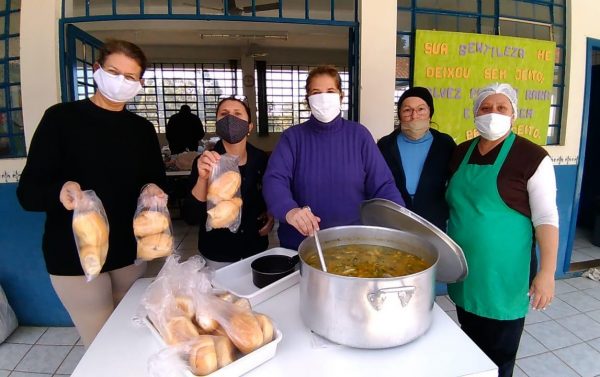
(377, 65)
(40, 75)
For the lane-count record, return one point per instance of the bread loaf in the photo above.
(203, 357)
(154, 246)
(186, 305)
(90, 229)
(266, 326)
(225, 351)
(206, 323)
(150, 222)
(92, 258)
(224, 187)
(244, 331)
(225, 213)
(180, 329)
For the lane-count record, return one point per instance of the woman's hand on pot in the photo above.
(541, 291)
(206, 162)
(268, 220)
(303, 220)
(69, 194)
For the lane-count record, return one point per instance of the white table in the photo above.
(122, 348)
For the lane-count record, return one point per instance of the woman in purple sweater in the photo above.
(323, 169)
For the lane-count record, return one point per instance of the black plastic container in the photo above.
(270, 268)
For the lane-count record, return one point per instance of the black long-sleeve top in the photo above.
(220, 244)
(429, 200)
(184, 130)
(114, 153)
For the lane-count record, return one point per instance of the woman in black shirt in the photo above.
(94, 144)
(220, 246)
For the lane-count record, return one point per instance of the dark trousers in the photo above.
(499, 340)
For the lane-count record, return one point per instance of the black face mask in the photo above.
(232, 129)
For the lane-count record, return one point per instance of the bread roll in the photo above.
(224, 187)
(224, 214)
(92, 258)
(206, 323)
(266, 326)
(90, 228)
(225, 351)
(186, 305)
(154, 246)
(244, 331)
(180, 329)
(203, 357)
(243, 303)
(150, 222)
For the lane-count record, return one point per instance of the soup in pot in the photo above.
(368, 261)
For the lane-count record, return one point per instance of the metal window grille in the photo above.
(12, 137)
(85, 56)
(537, 19)
(200, 86)
(286, 93)
(325, 11)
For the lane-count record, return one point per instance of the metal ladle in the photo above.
(320, 251)
(318, 243)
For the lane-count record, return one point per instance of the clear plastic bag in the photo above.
(200, 356)
(8, 319)
(90, 228)
(152, 228)
(224, 201)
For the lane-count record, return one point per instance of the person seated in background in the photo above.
(220, 246)
(418, 157)
(184, 131)
(323, 169)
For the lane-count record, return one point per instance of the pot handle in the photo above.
(377, 297)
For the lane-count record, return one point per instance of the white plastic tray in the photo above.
(239, 367)
(237, 278)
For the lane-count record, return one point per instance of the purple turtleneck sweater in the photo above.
(330, 167)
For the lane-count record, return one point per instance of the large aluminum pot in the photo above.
(368, 312)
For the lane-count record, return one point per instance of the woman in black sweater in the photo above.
(94, 144)
(220, 246)
(418, 157)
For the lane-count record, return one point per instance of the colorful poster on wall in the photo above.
(455, 66)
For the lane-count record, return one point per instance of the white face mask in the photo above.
(325, 106)
(115, 87)
(493, 126)
(415, 129)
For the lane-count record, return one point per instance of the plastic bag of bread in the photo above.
(168, 301)
(201, 356)
(224, 201)
(90, 228)
(152, 228)
(237, 321)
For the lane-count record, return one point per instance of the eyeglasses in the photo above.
(237, 97)
(115, 72)
(408, 111)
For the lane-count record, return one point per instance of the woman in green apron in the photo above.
(502, 199)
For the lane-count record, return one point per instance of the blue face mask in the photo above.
(232, 129)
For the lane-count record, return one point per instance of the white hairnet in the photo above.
(497, 88)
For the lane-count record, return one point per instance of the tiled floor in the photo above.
(583, 250)
(562, 341)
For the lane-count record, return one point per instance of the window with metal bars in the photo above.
(12, 137)
(168, 86)
(199, 85)
(536, 19)
(286, 95)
